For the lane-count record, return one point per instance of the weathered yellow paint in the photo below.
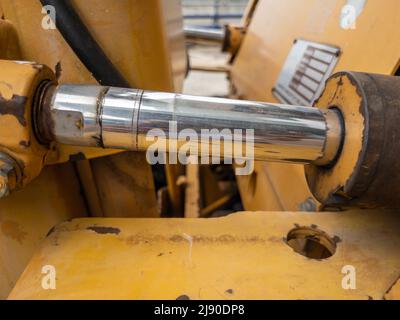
(393, 293)
(53, 197)
(242, 256)
(18, 84)
(371, 47)
(27, 215)
(343, 94)
(149, 49)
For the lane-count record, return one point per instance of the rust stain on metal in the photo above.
(15, 107)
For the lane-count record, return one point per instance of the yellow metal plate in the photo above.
(242, 256)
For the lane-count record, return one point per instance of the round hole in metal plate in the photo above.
(311, 243)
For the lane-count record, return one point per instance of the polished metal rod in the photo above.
(134, 119)
(201, 33)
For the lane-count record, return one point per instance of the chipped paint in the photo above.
(15, 107)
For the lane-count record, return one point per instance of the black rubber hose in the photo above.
(79, 38)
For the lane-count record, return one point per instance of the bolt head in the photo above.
(4, 190)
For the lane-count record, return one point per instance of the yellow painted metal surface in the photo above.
(345, 95)
(241, 256)
(9, 46)
(125, 185)
(27, 215)
(371, 47)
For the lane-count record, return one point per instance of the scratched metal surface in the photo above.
(242, 256)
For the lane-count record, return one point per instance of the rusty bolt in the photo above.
(4, 190)
(7, 174)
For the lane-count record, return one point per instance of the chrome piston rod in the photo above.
(131, 119)
(198, 33)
